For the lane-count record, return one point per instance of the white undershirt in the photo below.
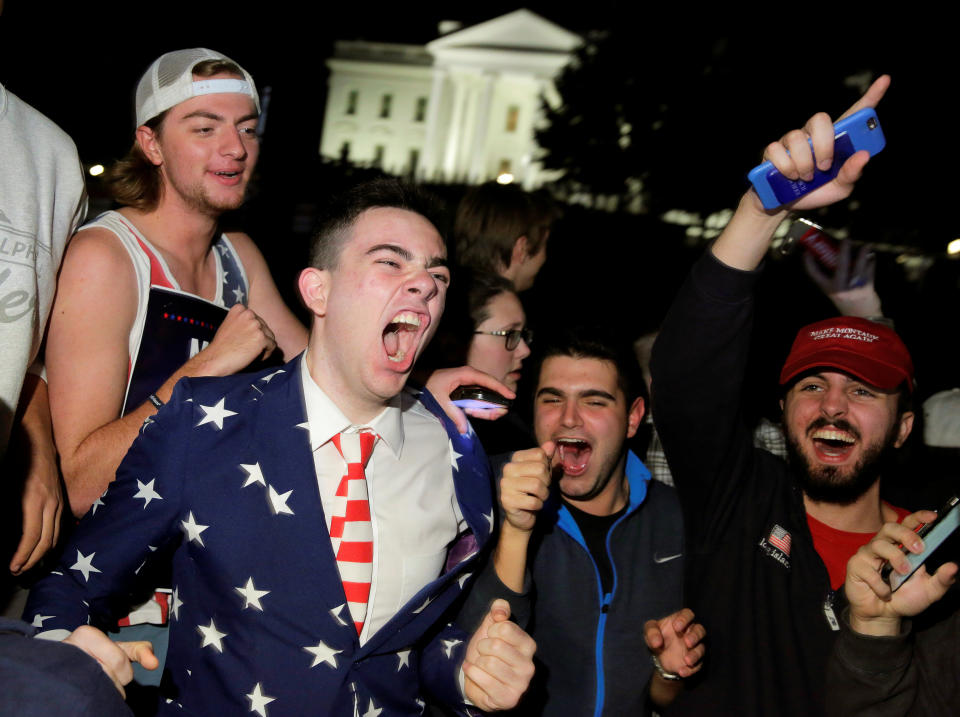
(413, 507)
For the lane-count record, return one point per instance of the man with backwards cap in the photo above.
(768, 541)
(112, 357)
(114, 350)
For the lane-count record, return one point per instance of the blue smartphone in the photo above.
(861, 130)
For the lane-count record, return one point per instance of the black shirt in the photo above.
(594, 529)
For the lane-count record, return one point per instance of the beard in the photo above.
(197, 197)
(841, 485)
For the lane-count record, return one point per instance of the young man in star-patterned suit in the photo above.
(239, 471)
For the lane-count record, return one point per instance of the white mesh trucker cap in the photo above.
(169, 81)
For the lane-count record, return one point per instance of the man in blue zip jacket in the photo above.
(605, 552)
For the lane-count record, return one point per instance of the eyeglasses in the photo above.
(512, 336)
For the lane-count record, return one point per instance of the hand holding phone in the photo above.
(479, 398)
(933, 535)
(860, 130)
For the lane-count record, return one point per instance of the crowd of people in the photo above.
(282, 519)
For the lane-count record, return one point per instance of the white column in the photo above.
(478, 153)
(431, 145)
(469, 122)
(328, 141)
(530, 169)
(454, 127)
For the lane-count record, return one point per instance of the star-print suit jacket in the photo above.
(235, 649)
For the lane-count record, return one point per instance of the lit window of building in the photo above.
(385, 103)
(513, 114)
(421, 114)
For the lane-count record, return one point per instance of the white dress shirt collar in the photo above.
(326, 420)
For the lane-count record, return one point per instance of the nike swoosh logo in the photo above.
(657, 559)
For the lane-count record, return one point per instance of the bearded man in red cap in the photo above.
(848, 384)
(767, 540)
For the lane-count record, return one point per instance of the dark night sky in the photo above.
(98, 50)
(78, 63)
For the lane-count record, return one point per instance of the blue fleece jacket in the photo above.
(591, 656)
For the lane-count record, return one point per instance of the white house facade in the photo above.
(463, 108)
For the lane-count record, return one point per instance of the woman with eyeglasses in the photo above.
(500, 340)
(484, 327)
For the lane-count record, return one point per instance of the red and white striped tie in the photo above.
(351, 531)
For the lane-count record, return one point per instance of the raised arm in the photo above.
(524, 486)
(745, 241)
(850, 286)
(88, 362)
(700, 358)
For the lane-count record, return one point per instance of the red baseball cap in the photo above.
(870, 351)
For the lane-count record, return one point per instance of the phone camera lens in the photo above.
(872, 123)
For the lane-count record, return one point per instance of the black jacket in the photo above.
(754, 578)
(911, 674)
